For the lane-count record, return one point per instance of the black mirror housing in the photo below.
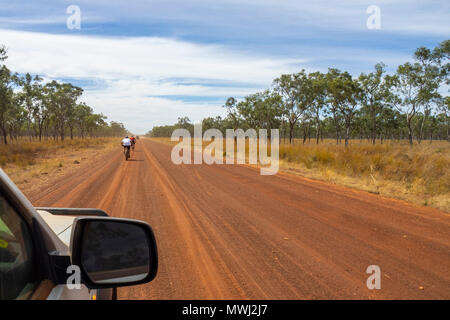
(113, 252)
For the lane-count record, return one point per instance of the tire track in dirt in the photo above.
(206, 267)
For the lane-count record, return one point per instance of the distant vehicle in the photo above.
(137, 137)
(43, 249)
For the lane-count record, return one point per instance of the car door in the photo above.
(18, 272)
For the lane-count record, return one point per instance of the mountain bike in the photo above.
(126, 153)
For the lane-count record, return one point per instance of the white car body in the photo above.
(62, 227)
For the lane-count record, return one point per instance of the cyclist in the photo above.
(133, 142)
(126, 144)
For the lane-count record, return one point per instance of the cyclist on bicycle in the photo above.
(126, 143)
(133, 142)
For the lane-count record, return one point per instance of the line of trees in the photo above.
(408, 104)
(37, 110)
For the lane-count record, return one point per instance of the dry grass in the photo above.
(34, 163)
(23, 153)
(420, 174)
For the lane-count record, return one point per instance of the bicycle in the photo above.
(127, 153)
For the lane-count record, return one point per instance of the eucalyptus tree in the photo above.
(407, 86)
(3, 53)
(416, 86)
(185, 123)
(297, 96)
(333, 100)
(353, 94)
(306, 123)
(431, 75)
(30, 98)
(40, 112)
(8, 81)
(17, 116)
(117, 129)
(94, 122)
(270, 111)
(61, 102)
(361, 125)
(318, 82)
(246, 111)
(441, 57)
(262, 110)
(232, 115)
(213, 123)
(81, 116)
(444, 107)
(375, 92)
(389, 121)
(161, 131)
(345, 95)
(286, 88)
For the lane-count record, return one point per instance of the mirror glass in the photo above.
(115, 252)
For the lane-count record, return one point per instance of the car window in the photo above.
(17, 272)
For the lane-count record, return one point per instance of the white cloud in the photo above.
(136, 58)
(141, 113)
(138, 70)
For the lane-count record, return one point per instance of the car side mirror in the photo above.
(113, 252)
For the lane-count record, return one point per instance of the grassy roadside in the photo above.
(419, 175)
(33, 164)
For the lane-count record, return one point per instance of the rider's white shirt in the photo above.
(126, 142)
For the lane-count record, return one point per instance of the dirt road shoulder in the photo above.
(53, 164)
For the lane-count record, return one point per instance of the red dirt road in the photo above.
(226, 232)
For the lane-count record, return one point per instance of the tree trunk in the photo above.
(5, 136)
(317, 130)
(40, 132)
(337, 136)
(420, 135)
(29, 129)
(61, 132)
(448, 129)
(374, 128)
(347, 134)
(305, 133)
(291, 132)
(410, 133)
(338, 133)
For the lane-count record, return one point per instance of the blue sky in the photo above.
(146, 63)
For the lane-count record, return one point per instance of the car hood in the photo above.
(61, 225)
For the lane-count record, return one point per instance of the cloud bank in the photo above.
(134, 74)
